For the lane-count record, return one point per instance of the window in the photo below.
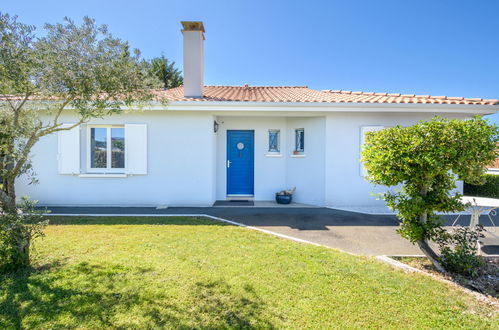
(106, 148)
(300, 140)
(274, 140)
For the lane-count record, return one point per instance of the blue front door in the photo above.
(240, 157)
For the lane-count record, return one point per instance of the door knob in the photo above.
(228, 163)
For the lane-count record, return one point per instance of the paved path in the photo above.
(352, 232)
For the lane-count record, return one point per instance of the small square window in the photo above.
(274, 140)
(300, 140)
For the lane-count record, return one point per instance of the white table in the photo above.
(479, 205)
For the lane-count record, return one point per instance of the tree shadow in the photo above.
(94, 295)
(230, 310)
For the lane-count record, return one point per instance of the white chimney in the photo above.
(193, 33)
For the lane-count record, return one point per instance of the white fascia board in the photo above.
(313, 107)
(227, 106)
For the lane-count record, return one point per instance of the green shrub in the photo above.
(489, 189)
(17, 231)
(459, 250)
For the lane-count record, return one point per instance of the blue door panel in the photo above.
(240, 158)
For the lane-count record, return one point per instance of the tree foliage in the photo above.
(81, 68)
(165, 71)
(426, 160)
(77, 68)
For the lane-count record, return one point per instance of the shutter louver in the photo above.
(136, 149)
(68, 153)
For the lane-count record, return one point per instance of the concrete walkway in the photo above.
(352, 232)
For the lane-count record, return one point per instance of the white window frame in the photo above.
(273, 152)
(108, 169)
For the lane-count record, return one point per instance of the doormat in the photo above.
(234, 203)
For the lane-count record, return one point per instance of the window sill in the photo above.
(273, 155)
(298, 156)
(103, 175)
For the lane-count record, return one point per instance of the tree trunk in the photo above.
(431, 255)
(8, 196)
(23, 252)
(424, 245)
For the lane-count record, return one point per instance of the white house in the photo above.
(214, 143)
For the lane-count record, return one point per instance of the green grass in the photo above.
(195, 273)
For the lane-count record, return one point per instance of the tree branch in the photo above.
(58, 128)
(17, 110)
(24, 155)
(64, 104)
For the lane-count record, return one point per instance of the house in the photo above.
(214, 143)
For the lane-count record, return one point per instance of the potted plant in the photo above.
(284, 196)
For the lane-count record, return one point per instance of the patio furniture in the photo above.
(477, 206)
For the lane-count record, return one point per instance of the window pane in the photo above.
(302, 140)
(274, 141)
(299, 140)
(98, 148)
(118, 147)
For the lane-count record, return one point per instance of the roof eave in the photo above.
(328, 107)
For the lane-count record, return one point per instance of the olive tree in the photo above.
(77, 68)
(81, 68)
(425, 161)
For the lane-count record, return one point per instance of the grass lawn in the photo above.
(196, 273)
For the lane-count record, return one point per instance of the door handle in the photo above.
(228, 163)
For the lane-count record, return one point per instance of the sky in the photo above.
(436, 47)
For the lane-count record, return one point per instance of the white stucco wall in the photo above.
(181, 163)
(307, 172)
(344, 184)
(187, 160)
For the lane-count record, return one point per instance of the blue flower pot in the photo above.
(283, 199)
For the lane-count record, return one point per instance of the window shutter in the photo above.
(136, 148)
(68, 154)
(363, 131)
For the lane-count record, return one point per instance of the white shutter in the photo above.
(68, 153)
(136, 148)
(363, 131)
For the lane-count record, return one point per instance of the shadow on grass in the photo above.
(133, 220)
(97, 296)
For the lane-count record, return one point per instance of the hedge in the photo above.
(489, 189)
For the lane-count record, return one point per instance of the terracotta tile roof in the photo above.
(371, 97)
(305, 94)
(495, 164)
(252, 94)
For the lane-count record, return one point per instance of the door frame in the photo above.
(232, 196)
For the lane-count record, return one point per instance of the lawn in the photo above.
(195, 273)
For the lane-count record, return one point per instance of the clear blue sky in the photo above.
(444, 47)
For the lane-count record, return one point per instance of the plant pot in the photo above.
(283, 199)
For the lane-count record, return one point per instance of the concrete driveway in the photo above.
(352, 232)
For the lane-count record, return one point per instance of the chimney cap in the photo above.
(192, 26)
